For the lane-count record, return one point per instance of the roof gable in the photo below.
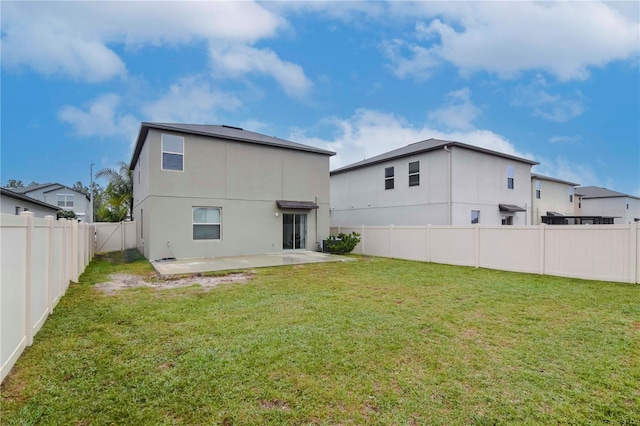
(220, 132)
(598, 192)
(425, 146)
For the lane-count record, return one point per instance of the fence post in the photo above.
(633, 255)
(542, 247)
(49, 219)
(429, 243)
(362, 240)
(27, 277)
(122, 236)
(74, 251)
(63, 255)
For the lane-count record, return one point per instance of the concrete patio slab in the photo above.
(209, 264)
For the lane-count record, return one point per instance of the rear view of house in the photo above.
(209, 190)
(433, 182)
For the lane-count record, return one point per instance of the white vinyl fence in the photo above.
(38, 259)
(115, 236)
(595, 252)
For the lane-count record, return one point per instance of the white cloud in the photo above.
(547, 105)
(564, 39)
(239, 60)
(458, 113)
(99, 118)
(581, 173)
(565, 139)
(369, 133)
(76, 38)
(190, 100)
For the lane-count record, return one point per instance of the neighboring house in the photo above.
(596, 201)
(209, 191)
(552, 197)
(14, 203)
(433, 182)
(62, 196)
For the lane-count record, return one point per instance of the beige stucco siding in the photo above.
(243, 179)
(554, 197)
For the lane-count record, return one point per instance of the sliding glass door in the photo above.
(294, 231)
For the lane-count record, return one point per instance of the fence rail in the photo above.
(38, 259)
(597, 252)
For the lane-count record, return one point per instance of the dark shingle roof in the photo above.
(542, 177)
(50, 186)
(597, 192)
(424, 146)
(222, 132)
(32, 188)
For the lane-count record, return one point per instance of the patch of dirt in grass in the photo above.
(126, 281)
(275, 404)
(635, 325)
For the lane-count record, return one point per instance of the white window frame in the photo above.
(510, 178)
(65, 201)
(414, 173)
(163, 151)
(390, 178)
(194, 223)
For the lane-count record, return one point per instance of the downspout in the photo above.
(446, 148)
(317, 241)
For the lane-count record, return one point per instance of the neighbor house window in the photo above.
(172, 153)
(65, 200)
(206, 223)
(571, 195)
(388, 178)
(538, 189)
(510, 177)
(414, 173)
(507, 220)
(17, 209)
(475, 216)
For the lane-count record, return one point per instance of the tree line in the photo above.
(112, 203)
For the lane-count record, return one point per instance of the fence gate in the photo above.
(115, 236)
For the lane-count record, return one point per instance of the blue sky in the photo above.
(556, 82)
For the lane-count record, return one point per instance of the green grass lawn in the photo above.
(375, 341)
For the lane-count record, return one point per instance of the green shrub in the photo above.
(343, 243)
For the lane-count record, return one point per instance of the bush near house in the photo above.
(343, 243)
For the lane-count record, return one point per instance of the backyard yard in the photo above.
(374, 341)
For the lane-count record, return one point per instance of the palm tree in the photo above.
(119, 192)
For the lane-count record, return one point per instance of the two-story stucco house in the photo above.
(551, 196)
(209, 191)
(596, 201)
(433, 182)
(62, 196)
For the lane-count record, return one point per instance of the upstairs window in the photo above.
(172, 153)
(538, 189)
(206, 223)
(475, 216)
(388, 178)
(571, 195)
(65, 201)
(510, 183)
(414, 173)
